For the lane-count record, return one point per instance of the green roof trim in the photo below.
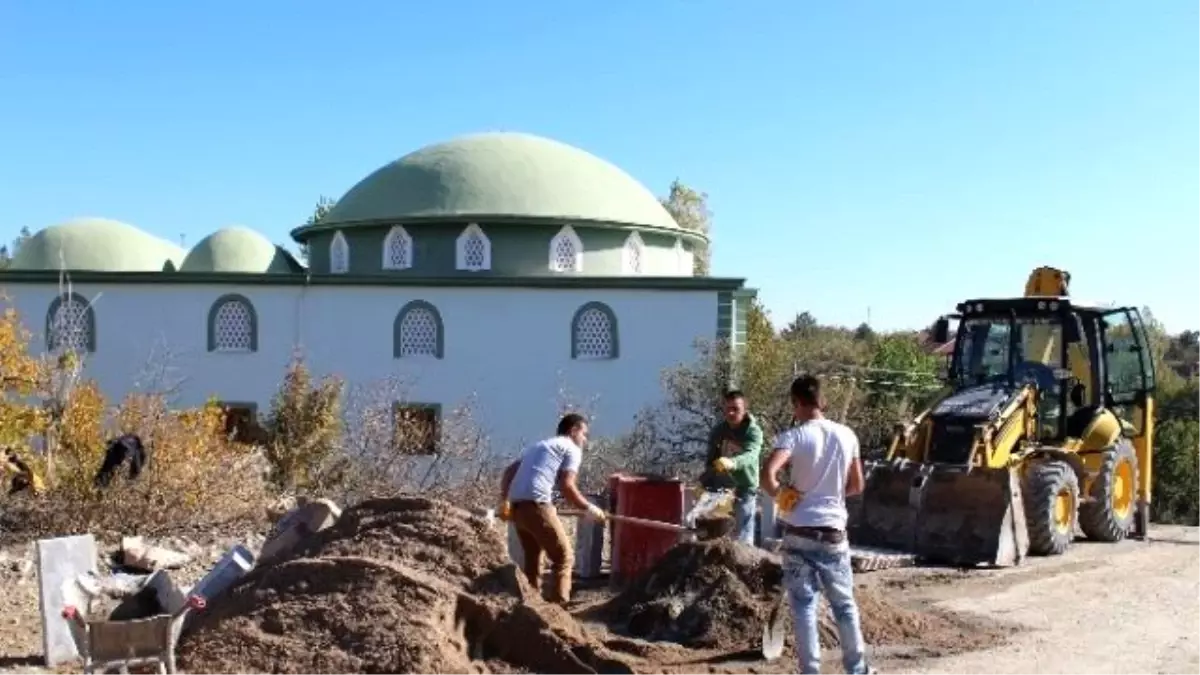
(499, 178)
(237, 279)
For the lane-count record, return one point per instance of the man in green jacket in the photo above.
(734, 459)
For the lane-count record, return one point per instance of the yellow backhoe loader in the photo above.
(1048, 427)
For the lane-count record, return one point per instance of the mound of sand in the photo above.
(397, 585)
(719, 593)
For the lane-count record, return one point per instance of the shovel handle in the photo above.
(644, 522)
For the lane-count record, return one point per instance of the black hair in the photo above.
(734, 394)
(568, 423)
(806, 390)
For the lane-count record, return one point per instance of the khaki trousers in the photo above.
(540, 531)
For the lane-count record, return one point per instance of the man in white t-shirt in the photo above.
(816, 553)
(527, 496)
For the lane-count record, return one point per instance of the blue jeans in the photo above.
(745, 510)
(808, 568)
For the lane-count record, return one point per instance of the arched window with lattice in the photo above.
(633, 255)
(473, 250)
(683, 260)
(397, 249)
(339, 254)
(418, 331)
(594, 333)
(566, 251)
(232, 325)
(71, 324)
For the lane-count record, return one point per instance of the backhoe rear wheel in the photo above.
(1051, 493)
(1109, 515)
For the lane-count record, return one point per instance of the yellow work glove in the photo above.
(596, 513)
(505, 511)
(787, 498)
(723, 464)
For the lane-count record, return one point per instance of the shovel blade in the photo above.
(775, 631)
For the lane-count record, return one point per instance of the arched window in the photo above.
(566, 251)
(71, 324)
(397, 249)
(418, 331)
(473, 250)
(339, 254)
(594, 332)
(633, 254)
(232, 325)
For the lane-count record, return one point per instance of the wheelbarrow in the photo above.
(148, 641)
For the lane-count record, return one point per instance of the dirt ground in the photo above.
(1130, 607)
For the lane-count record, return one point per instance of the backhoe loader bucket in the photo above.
(942, 513)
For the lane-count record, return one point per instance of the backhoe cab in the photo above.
(1047, 427)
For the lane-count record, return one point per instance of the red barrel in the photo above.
(636, 548)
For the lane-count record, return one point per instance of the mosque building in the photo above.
(498, 268)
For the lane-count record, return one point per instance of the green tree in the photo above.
(671, 437)
(758, 323)
(8, 252)
(323, 207)
(1168, 380)
(689, 208)
(1176, 497)
(303, 427)
(864, 333)
(804, 325)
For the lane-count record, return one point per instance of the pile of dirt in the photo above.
(701, 594)
(396, 585)
(719, 593)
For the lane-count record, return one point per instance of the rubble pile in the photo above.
(394, 585)
(702, 594)
(719, 593)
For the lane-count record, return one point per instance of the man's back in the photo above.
(540, 464)
(822, 452)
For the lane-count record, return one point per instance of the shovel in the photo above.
(644, 522)
(774, 630)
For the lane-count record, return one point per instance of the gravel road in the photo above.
(1102, 608)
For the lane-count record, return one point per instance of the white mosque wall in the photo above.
(508, 350)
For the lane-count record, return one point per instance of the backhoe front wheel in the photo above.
(1108, 515)
(1051, 506)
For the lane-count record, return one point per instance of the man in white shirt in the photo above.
(816, 553)
(527, 495)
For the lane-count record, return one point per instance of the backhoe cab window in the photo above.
(1122, 357)
(984, 351)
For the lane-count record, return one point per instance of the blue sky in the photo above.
(897, 156)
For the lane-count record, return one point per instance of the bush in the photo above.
(384, 451)
(80, 440)
(186, 481)
(1176, 497)
(303, 430)
(21, 377)
(194, 476)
